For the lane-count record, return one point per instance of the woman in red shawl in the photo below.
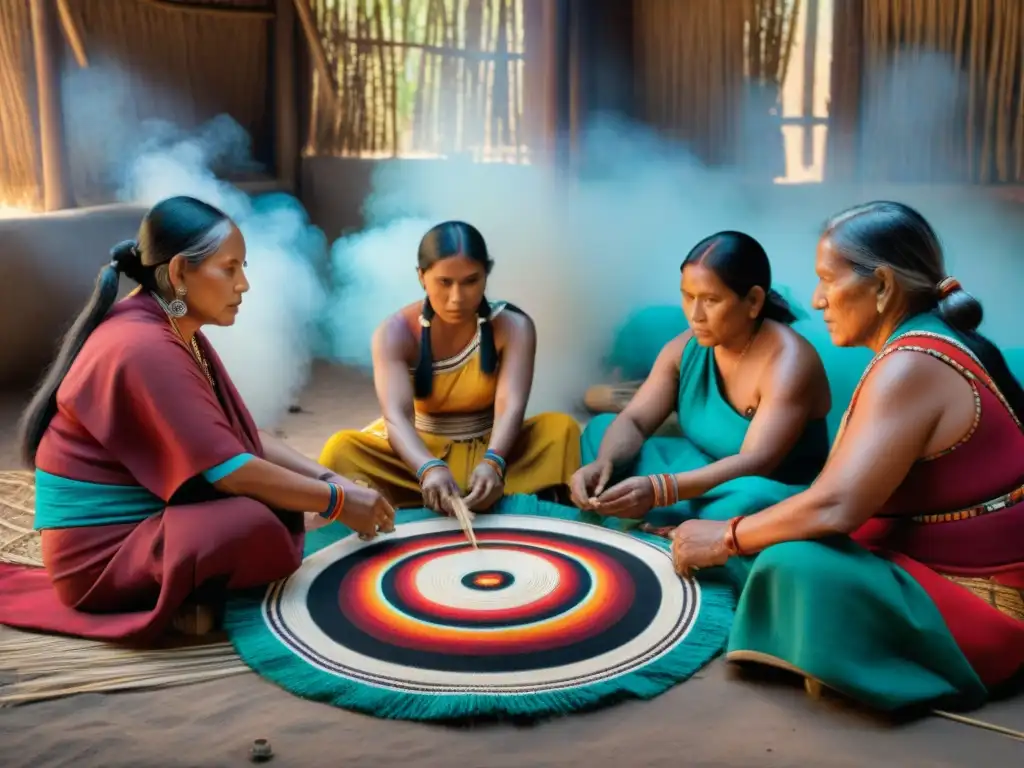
(154, 489)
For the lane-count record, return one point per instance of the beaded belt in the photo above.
(456, 426)
(1002, 502)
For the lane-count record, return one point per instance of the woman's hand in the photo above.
(588, 482)
(632, 498)
(366, 510)
(699, 544)
(438, 487)
(485, 488)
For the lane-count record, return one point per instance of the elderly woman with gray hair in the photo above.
(896, 578)
(154, 489)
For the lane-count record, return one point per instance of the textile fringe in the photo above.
(47, 667)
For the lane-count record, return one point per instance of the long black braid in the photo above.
(423, 378)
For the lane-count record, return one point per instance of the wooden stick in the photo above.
(286, 133)
(465, 518)
(393, 111)
(516, 107)
(72, 33)
(1001, 729)
(56, 183)
(439, 50)
(209, 10)
(316, 47)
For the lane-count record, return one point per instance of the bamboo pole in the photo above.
(392, 31)
(316, 49)
(421, 79)
(810, 60)
(209, 10)
(52, 148)
(362, 83)
(380, 107)
(71, 32)
(286, 128)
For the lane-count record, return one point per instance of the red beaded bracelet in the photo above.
(732, 544)
(666, 489)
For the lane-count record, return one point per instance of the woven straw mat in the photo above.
(19, 543)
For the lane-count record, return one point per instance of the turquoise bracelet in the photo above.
(427, 466)
(497, 460)
(334, 500)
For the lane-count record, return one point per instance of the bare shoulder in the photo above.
(672, 353)
(395, 336)
(410, 316)
(790, 348)
(794, 368)
(675, 347)
(512, 324)
(904, 375)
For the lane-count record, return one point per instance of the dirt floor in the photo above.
(718, 718)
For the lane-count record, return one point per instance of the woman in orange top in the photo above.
(453, 376)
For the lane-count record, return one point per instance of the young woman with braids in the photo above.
(453, 375)
(897, 578)
(154, 489)
(750, 396)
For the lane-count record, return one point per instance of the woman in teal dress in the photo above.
(751, 397)
(897, 578)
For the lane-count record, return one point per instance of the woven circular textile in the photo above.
(548, 615)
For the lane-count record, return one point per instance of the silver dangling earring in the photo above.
(178, 308)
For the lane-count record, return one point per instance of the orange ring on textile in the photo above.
(591, 594)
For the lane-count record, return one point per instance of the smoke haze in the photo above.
(269, 349)
(581, 255)
(578, 255)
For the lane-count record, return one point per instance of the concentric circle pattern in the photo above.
(544, 604)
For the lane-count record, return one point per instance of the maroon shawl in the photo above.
(135, 408)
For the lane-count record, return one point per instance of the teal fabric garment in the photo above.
(223, 470)
(62, 502)
(712, 430)
(709, 421)
(65, 503)
(858, 623)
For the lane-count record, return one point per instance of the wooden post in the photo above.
(316, 47)
(842, 159)
(539, 75)
(564, 44)
(810, 67)
(46, 44)
(286, 123)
